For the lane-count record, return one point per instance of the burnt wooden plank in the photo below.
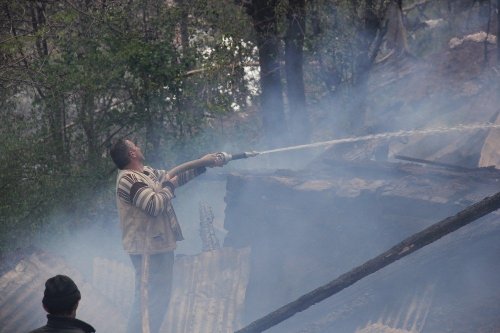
(404, 248)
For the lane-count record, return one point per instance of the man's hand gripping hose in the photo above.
(210, 160)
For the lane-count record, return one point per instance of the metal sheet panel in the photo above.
(21, 293)
(115, 280)
(209, 292)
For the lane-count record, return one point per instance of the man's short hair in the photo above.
(119, 153)
(61, 295)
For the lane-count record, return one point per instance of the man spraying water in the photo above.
(150, 228)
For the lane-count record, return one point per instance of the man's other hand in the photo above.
(174, 180)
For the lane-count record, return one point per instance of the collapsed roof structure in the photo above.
(306, 228)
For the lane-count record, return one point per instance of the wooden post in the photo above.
(145, 259)
(404, 248)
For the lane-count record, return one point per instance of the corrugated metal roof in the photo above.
(381, 328)
(208, 290)
(115, 280)
(208, 293)
(21, 292)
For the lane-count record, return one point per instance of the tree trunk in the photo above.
(154, 133)
(298, 117)
(366, 36)
(396, 31)
(87, 114)
(183, 25)
(263, 13)
(51, 98)
(498, 31)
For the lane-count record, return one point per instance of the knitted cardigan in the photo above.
(147, 218)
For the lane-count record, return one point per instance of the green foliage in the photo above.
(338, 33)
(92, 71)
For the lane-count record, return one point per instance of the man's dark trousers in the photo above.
(159, 290)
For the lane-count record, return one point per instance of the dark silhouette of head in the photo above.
(120, 153)
(61, 296)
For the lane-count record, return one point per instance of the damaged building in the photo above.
(307, 227)
(292, 231)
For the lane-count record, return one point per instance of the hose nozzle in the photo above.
(226, 157)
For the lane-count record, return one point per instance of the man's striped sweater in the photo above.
(144, 201)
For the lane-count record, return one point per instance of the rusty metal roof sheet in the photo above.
(208, 292)
(21, 292)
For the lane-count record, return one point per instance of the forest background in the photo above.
(183, 78)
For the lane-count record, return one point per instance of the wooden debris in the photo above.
(404, 248)
(209, 240)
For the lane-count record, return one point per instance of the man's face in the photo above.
(135, 152)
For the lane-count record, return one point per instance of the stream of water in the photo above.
(386, 135)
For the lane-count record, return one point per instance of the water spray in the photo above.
(387, 135)
(224, 158)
